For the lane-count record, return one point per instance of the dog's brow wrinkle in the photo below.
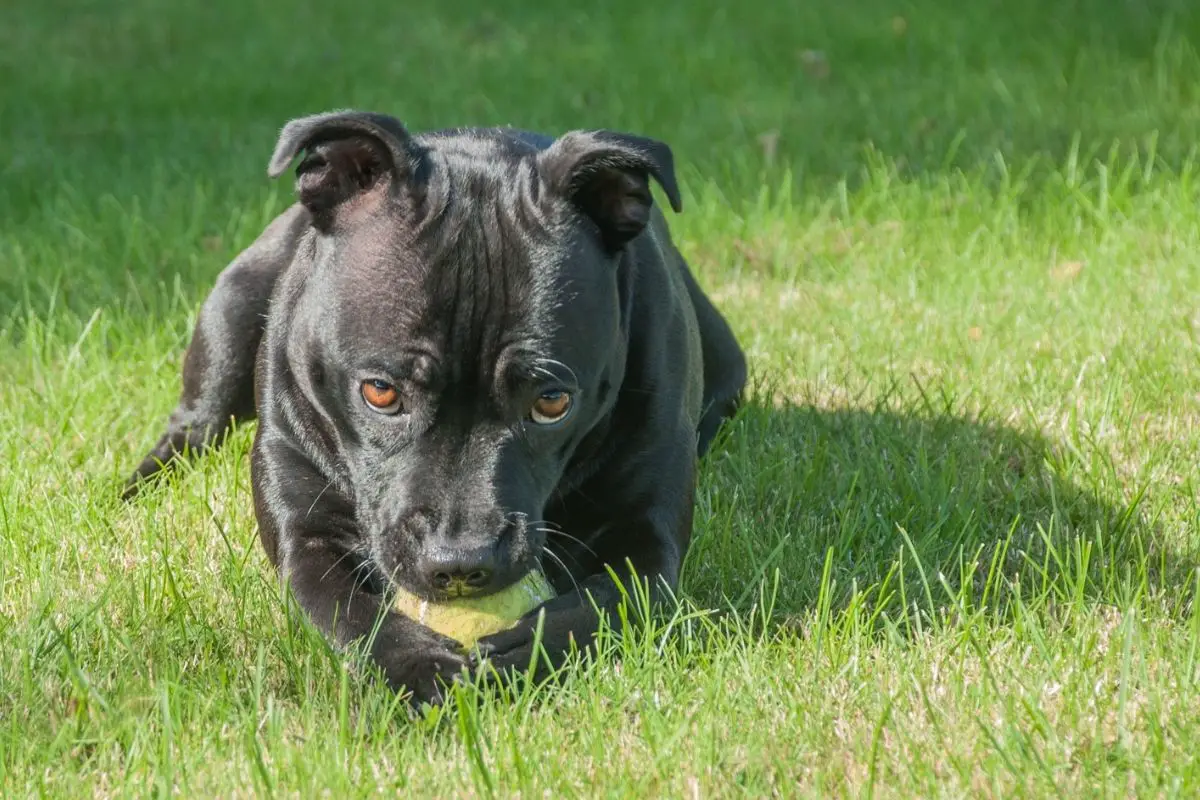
(478, 253)
(525, 212)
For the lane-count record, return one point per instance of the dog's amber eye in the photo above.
(381, 396)
(551, 407)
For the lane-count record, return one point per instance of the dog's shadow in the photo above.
(950, 506)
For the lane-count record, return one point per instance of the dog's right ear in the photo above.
(347, 153)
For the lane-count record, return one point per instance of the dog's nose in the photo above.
(456, 572)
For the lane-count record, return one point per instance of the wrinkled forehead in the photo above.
(478, 283)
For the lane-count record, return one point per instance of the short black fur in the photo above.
(475, 271)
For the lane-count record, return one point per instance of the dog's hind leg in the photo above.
(218, 369)
(724, 366)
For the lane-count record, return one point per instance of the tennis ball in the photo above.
(468, 619)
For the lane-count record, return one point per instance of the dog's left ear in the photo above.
(607, 176)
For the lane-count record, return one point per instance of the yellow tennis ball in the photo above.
(468, 619)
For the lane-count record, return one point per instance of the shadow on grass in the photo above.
(919, 505)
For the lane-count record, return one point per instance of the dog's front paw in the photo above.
(425, 668)
(522, 650)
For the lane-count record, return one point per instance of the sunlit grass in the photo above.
(947, 548)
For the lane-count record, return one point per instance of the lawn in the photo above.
(952, 535)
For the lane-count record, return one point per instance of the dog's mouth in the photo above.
(459, 588)
(395, 589)
(388, 563)
(373, 578)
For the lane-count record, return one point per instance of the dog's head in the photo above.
(463, 326)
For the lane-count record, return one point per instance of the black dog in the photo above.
(457, 345)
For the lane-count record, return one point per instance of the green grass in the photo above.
(955, 527)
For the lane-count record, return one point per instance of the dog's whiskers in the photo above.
(568, 537)
(337, 563)
(572, 556)
(367, 566)
(317, 499)
(561, 564)
(361, 575)
(550, 362)
(554, 529)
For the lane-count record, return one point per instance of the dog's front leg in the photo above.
(308, 530)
